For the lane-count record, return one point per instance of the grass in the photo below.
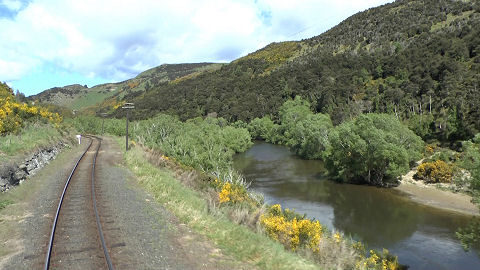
(4, 203)
(192, 209)
(91, 98)
(32, 136)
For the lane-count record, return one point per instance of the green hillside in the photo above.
(78, 97)
(416, 59)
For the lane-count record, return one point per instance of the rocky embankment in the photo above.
(13, 174)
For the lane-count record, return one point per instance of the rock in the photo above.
(19, 175)
(3, 181)
(11, 175)
(32, 164)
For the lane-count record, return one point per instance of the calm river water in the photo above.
(423, 237)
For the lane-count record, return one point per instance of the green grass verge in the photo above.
(4, 203)
(30, 137)
(189, 206)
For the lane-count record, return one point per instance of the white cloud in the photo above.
(115, 39)
(12, 5)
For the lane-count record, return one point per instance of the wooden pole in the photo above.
(126, 135)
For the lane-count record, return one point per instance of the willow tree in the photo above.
(373, 148)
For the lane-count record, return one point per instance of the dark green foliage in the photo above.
(264, 129)
(407, 58)
(373, 149)
(423, 125)
(300, 129)
(303, 131)
(470, 235)
(470, 160)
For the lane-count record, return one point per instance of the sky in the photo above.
(48, 43)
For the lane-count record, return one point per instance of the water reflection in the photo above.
(422, 236)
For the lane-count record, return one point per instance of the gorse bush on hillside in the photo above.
(14, 115)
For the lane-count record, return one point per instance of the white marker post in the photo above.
(79, 137)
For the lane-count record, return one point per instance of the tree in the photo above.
(302, 130)
(373, 148)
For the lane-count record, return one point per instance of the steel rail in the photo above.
(52, 234)
(99, 226)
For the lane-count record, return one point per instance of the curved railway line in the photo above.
(76, 239)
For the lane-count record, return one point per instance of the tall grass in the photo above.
(32, 136)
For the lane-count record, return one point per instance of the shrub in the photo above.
(264, 128)
(373, 148)
(435, 172)
(292, 233)
(205, 144)
(297, 233)
(232, 193)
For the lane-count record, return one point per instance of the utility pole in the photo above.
(128, 107)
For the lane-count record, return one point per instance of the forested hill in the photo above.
(407, 58)
(79, 97)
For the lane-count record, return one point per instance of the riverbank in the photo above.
(430, 195)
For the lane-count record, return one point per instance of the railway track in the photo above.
(76, 239)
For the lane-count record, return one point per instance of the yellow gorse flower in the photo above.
(230, 192)
(292, 233)
(13, 114)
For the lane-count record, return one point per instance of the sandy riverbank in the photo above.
(432, 196)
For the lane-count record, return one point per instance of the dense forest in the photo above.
(418, 60)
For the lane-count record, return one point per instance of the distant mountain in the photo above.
(80, 97)
(409, 58)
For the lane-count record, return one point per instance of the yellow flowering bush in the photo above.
(13, 114)
(379, 261)
(292, 233)
(435, 172)
(296, 232)
(231, 192)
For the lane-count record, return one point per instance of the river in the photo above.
(421, 236)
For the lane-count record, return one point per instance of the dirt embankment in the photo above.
(429, 194)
